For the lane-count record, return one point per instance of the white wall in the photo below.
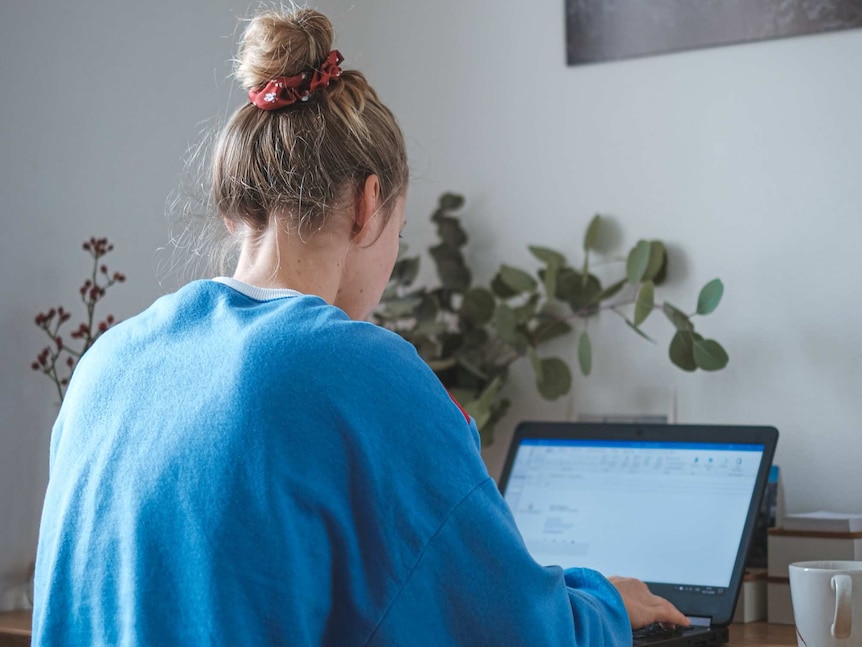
(746, 160)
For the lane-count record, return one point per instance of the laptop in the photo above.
(672, 505)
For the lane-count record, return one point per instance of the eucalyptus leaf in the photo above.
(556, 378)
(612, 290)
(428, 309)
(522, 342)
(454, 276)
(657, 257)
(548, 256)
(679, 319)
(490, 393)
(472, 363)
(444, 297)
(534, 360)
(391, 292)
(464, 378)
(499, 287)
(592, 234)
(401, 307)
(661, 276)
(480, 413)
(575, 291)
(710, 296)
(527, 311)
(517, 279)
(709, 355)
(550, 329)
(645, 302)
(478, 306)
(450, 232)
(476, 337)
(463, 396)
(549, 278)
(450, 343)
(585, 354)
(591, 292)
(451, 201)
(432, 329)
(482, 408)
(441, 364)
(498, 411)
(568, 284)
(639, 331)
(506, 323)
(406, 270)
(681, 350)
(637, 261)
(426, 347)
(451, 268)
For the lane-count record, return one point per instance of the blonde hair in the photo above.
(297, 162)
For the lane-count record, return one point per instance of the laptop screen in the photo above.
(672, 506)
(582, 502)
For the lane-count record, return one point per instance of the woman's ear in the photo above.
(365, 205)
(231, 225)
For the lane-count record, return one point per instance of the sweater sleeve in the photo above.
(476, 584)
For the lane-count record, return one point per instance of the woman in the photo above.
(249, 462)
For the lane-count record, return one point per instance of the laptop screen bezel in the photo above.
(719, 609)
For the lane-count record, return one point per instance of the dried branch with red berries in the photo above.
(58, 359)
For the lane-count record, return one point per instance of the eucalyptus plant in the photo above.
(470, 334)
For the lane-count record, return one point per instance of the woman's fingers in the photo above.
(643, 606)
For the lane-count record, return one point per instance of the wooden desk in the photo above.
(15, 629)
(760, 634)
(15, 632)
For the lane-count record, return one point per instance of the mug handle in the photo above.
(842, 623)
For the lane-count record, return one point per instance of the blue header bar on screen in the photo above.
(642, 444)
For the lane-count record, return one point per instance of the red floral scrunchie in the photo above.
(287, 90)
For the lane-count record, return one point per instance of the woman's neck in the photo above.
(278, 259)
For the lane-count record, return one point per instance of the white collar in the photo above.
(256, 293)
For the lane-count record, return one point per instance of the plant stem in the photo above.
(540, 332)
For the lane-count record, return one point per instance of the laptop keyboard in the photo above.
(657, 631)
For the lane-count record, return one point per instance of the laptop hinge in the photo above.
(700, 621)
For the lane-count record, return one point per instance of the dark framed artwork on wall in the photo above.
(607, 30)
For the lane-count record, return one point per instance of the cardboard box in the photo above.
(788, 546)
(779, 605)
(751, 605)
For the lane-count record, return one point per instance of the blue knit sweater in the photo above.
(232, 470)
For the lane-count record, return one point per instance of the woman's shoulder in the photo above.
(286, 321)
(275, 317)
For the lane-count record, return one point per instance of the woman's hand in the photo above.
(643, 607)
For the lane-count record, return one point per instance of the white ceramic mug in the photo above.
(827, 603)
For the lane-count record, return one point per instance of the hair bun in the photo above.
(282, 44)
